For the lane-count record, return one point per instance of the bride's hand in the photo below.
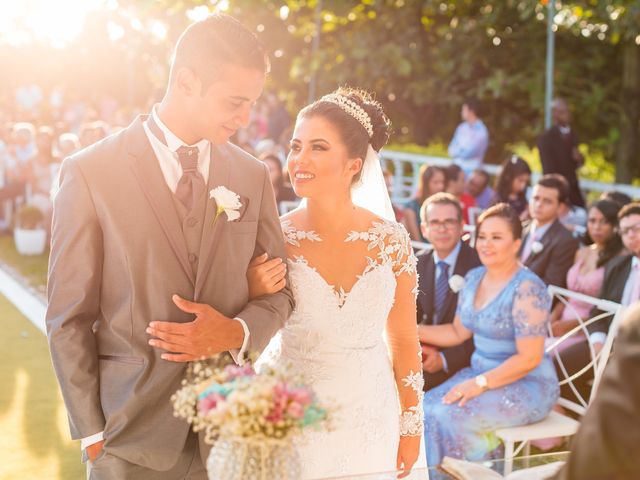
(266, 276)
(408, 452)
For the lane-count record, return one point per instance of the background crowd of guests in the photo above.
(483, 310)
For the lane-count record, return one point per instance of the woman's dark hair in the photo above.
(451, 173)
(353, 133)
(609, 210)
(505, 212)
(426, 174)
(512, 167)
(620, 198)
(273, 158)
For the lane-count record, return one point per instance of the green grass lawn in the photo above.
(34, 436)
(32, 268)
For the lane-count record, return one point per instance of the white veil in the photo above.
(370, 192)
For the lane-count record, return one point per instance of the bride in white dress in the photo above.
(352, 334)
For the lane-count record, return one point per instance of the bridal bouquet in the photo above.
(250, 417)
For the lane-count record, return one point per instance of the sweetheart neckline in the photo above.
(340, 295)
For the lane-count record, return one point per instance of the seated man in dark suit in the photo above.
(621, 285)
(607, 445)
(438, 270)
(548, 248)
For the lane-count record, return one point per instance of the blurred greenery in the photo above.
(421, 57)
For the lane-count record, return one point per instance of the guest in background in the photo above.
(68, 144)
(548, 249)
(478, 187)
(470, 140)
(450, 257)
(602, 243)
(276, 174)
(432, 180)
(388, 180)
(510, 382)
(573, 218)
(454, 178)
(559, 152)
(607, 444)
(621, 285)
(511, 185)
(620, 198)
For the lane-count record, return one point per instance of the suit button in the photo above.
(191, 222)
(193, 257)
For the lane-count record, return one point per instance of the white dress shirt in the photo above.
(172, 172)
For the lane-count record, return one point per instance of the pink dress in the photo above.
(589, 284)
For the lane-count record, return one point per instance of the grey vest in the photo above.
(192, 223)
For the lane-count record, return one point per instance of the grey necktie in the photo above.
(191, 185)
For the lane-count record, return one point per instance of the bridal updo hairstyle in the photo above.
(353, 134)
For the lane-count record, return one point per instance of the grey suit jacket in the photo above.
(117, 257)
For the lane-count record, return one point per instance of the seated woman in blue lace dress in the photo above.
(510, 382)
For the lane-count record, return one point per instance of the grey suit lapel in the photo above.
(147, 171)
(546, 240)
(219, 172)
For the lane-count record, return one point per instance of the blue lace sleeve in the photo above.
(531, 306)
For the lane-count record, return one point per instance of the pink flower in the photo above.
(210, 402)
(302, 396)
(295, 410)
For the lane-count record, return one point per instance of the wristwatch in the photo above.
(481, 381)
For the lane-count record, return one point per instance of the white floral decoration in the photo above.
(456, 283)
(537, 247)
(293, 236)
(227, 202)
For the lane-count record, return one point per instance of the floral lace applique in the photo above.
(393, 245)
(293, 235)
(412, 419)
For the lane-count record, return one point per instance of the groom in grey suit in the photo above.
(136, 234)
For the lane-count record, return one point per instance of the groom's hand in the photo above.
(209, 334)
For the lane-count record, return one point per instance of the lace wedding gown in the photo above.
(359, 352)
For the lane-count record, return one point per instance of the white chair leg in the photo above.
(527, 453)
(508, 457)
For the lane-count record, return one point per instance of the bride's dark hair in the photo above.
(353, 133)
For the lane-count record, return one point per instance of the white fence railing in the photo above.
(405, 184)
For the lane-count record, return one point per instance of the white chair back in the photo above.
(598, 361)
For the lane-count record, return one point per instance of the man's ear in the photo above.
(187, 82)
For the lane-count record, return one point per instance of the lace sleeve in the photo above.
(531, 309)
(402, 336)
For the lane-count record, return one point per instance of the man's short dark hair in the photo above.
(473, 105)
(442, 198)
(557, 182)
(207, 45)
(628, 210)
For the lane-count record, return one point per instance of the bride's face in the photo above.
(318, 162)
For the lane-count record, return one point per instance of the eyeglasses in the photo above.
(448, 224)
(635, 229)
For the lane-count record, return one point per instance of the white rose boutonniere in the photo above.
(537, 247)
(456, 283)
(227, 201)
